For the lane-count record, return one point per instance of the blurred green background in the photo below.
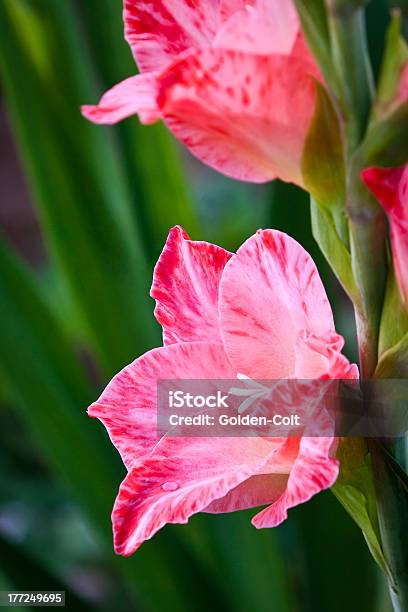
(85, 211)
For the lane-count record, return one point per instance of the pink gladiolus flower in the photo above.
(390, 186)
(233, 81)
(262, 312)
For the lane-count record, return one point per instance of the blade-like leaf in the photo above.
(80, 188)
(355, 490)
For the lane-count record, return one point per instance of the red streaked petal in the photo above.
(182, 477)
(245, 115)
(384, 183)
(313, 471)
(128, 405)
(159, 30)
(271, 294)
(185, 286)
(390, 186)
(135, 95)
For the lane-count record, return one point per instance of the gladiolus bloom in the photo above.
(262, 313)
(390, 187)
(233, 81)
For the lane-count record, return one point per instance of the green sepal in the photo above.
(394, 318)
(323, 171)
(336, 253)
(395, 58)
(323, 166)
(394, 361)
(355, 491)
(386, 142)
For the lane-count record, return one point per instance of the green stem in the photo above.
(367, 245)
(350, 56)
(392, 504)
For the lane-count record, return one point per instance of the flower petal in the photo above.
(185, 286)
(135, 95)
(182, 477)
(313, 471)
(271, 296)
(128, 405)
(390, 186)
(159, 30)
(266, 27)
(256, 491)
(244, 115)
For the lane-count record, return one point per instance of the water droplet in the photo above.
(170, 486)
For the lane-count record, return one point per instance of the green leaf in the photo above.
(81, 191)
(386, 141)
(323, 156)
(395, 58)
(355, 490)
(396, 468)
(338, 256)
(394, 361)
(394, 318)
(42, 371)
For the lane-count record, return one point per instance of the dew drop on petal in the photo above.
(170, 486)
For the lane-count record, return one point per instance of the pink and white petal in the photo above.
(133, 96)
(245, 115)
(182, 477)
(258, 490)
(320, 357)
(264, 28)
(313, 471)
(390, 186)
(185, 286)
(128, 405)
(159, 30)
(270, 293)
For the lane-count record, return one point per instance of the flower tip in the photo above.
(92, 411)
(368, 175)
(96, 114)
(178, 230)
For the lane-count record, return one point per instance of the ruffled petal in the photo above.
(264, 28)
(390, 186)
(182, 477)
(256, 491)
(245, 115)
(128, 405)
(313, 471)
(134, 96)
(270, 295)
(320, 357)
(185, 286)
(159, 30)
